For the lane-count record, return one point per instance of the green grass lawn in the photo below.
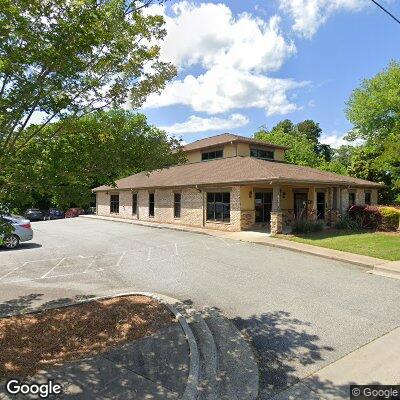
(373, 244)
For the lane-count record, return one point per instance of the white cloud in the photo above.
(309, 15)
(234, 55)
(334, 139)
(198, 124)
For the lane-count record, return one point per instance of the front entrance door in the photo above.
(263, 206)
(320, 205)
(300, 205)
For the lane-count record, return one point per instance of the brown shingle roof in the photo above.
(219, 140)
(233, 170)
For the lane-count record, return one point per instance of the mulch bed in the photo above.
(29, 343)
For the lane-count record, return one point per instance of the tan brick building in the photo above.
(233, 183)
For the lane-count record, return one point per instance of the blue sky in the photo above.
(243, 64)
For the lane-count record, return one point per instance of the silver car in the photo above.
(22, 231)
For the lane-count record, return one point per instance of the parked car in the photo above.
(22, 231)
(53, 213)
(74, 212)
(34, 214)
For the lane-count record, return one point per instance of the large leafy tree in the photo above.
(300, 151)
(93, 150)
(63, 58)
(374, 110)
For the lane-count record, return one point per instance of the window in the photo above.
(211, 155)
(151, 204)
(177, 205)
(259, 153)
(367, 197)
(218, 207)
(114, 203)
(320, 205)
(352, 199)
(134, 203)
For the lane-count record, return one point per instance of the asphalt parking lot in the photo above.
(300, 312)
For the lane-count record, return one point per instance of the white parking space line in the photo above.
(52, 269)
(120, 259)
(90, 264)
(76, 265)
(13, 270)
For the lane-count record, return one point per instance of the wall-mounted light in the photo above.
(283, 195)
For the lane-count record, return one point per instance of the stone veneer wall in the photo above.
(192, 205)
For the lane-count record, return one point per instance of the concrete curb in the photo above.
(156, 225)
(190, 392)
(318, 252)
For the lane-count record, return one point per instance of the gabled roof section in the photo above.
(235, 170)
(225, 138)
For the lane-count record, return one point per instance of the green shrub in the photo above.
(390, 218)
(306, 226)
(345, 222)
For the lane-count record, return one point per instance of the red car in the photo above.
(74, 212)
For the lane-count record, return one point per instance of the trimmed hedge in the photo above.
(390, 218)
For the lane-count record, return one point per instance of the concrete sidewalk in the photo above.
(378, 362)
(378, 266)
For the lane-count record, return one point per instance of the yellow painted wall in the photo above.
(243, 149)
(193, 157)
(229, 150)
(279, 154)
(246, 202)
(286, 197)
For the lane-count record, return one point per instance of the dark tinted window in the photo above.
(212, 155)
(367, 197)
(151, 204)
(114, 203)
(134, 203)
(218, 206)
(260, 153)
(177, 205)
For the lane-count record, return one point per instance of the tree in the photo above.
(310, 129)
(300, 151)
(94, 150)
(71, 58)
(374, 107)
(374, 110)
(343, 154)
(285, 126)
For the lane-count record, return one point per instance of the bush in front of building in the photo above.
(306, 226)
(390, 218)
(366, 216)
(384, 218)
(345, 222)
